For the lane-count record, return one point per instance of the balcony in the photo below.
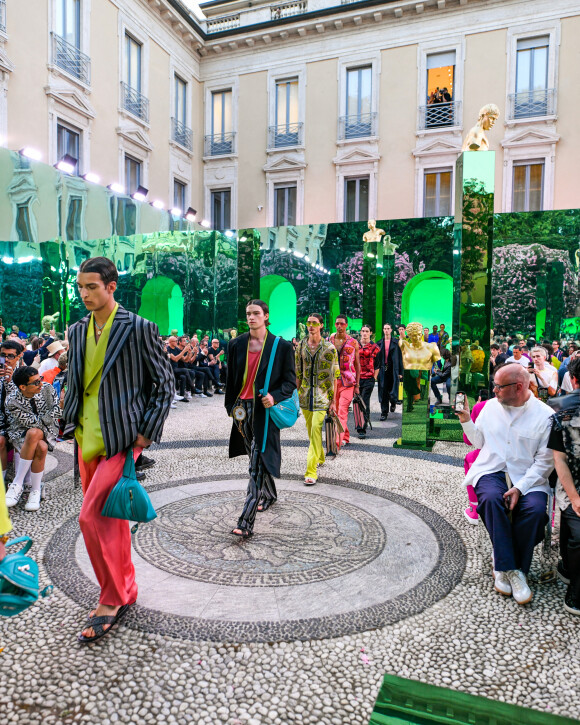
(532, 104)
(363, 125)
(134, 102)
(285, 10)
(288, 134)
(225, 22)
(439, 115)
(69, 58)
(220, 144)
(3, 16)
(181, 134)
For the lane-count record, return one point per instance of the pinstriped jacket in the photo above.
(137, 383)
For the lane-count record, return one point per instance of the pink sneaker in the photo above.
(471, 514)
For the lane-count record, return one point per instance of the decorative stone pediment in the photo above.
(285, 162)
(531, 136)
(356, 155)
(71, 98)
(6, 65)
(438, 146)
(135, 135)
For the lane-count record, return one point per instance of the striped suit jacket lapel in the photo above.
(120, 330)
(80, 344)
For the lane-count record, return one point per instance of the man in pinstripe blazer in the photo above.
(120, 388)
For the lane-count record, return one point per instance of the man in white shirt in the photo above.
(55, 349)
(546, 374)
(512, 432)
(518, 357)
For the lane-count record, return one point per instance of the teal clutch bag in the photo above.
(128, 499)
(19, 579)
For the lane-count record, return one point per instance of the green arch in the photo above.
(162, 303)
(279, 294)
(428, 299)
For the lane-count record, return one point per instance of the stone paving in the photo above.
(372, 570)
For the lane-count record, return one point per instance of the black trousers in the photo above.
(366, 386)
(385, 387)
(261, 486)
(570, 548)
(184, 378)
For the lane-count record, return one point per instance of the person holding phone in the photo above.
(512, 434)
(546, 374)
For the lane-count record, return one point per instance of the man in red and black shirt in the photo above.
(367, 353)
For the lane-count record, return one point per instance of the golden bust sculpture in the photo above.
(476, 140)
(373, 234)
(418, 354)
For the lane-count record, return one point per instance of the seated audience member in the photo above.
(32, 351)
(215, 354)
(567, 382)
(11, 351)
(442, 376)
(512, 434)
(54, 350)
(517, 357)
(34, 414)
(200, 365)
(556, 351)
(563, 441)
(471, 511)
(546, 375)
(50, 375)
(183, 377)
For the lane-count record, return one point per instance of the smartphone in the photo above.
(459, 401)
(2, 359)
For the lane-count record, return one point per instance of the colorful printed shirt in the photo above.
(565, 437)
(346, 361)
(316, 372)
(367, 354)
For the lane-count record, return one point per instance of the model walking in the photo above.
(120, 389)
(248, 358)
(317, 373)
(368, 372)
(347, 348)
(390, 363)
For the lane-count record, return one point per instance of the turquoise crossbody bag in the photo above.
(128, 499)
(286, 412)
(19, 579)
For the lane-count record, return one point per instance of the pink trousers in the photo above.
(344, 398)
(108, 541)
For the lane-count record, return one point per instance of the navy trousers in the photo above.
(513, 541)
(570, 548)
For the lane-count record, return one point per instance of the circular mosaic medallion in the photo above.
(304, 538)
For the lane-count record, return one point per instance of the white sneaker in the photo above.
(502, 583)
(177, 397)
(173, 405)
(187, 395)
(520, 590)
(13, 494)
(33, 503)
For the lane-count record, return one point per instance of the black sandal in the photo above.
(244, 533)
(97, 625)
(265, 505)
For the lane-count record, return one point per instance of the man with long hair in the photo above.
(120, 388)
(248, 359)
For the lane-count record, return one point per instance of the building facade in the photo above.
(300, 112)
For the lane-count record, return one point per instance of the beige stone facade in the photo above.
(300, 112)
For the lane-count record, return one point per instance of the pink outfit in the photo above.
(344, 398)
(468, 461)
(108, 541)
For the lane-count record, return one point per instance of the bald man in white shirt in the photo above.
(512, 432)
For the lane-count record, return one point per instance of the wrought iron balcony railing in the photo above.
(288, 134)
(181, 134)
(225, 22)
(220, 144)
(3, 15)
(360, 125)
(438, 115)
(134, 102)
(529, 104)
(69, 58)
(285, 10)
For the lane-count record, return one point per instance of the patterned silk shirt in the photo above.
(316, 373)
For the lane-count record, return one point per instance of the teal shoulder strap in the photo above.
(264, 390)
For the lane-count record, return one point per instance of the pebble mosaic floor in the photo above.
(372, 570)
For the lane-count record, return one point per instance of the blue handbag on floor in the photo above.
(286, 412)
(19, 579)
(128, 499)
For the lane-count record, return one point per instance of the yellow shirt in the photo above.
(5, 525)
(88, 433)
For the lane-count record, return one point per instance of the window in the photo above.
(358, 121)
(23, 225)
(68, 21)
(179, 189)
(531, 97)
(286, 113)
(68, 141)
(440, 109)
(180, 109)
(528, 186)
(132, 174)
(221, 208)
(356, 199)
(73, 221)
(437, 193)
(284, 205)
(221, 122)
(132, 63)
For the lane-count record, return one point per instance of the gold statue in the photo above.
(373, 234)
(476, 140)
(418, 354)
